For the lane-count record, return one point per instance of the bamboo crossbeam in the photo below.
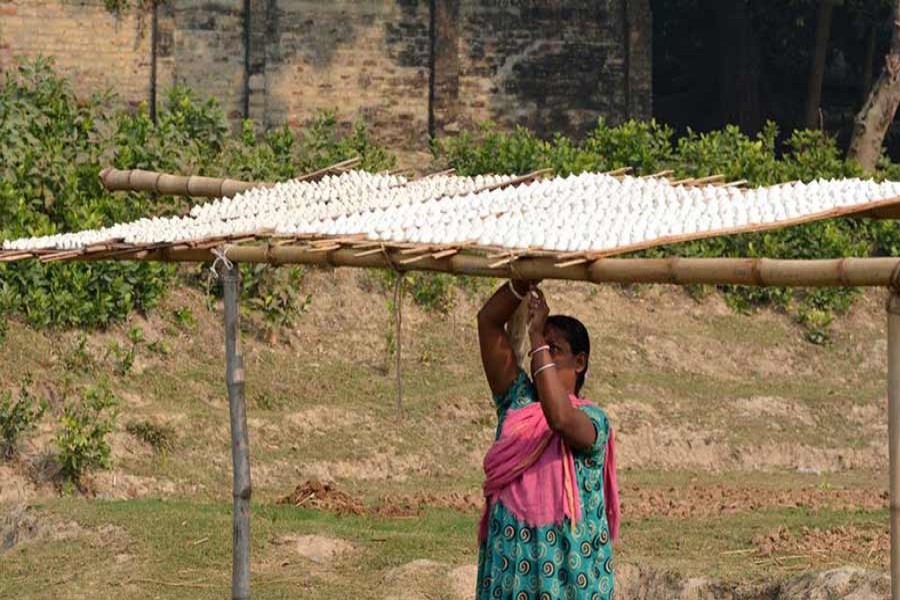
(138, 180)
(841, 272)
(709, 179)
(663, 173)
(527, 178)
(319, 173)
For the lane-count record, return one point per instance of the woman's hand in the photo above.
(525, 284)
(538, 311)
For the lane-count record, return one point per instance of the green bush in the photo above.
(649, 147)
(17, 417)
(81, 439)
(275, 293)
(161, 438)
(52, 147)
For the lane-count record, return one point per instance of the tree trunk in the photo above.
(867, 71)
(739, 64)
(878, 112)
(817, 73)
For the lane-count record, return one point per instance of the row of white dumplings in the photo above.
(595, 212)
(329, 198)
(584, 212)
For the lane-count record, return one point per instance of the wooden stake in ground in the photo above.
(240, 443)
(878, 112)
(893, 377)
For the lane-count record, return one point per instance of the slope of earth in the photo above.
(747, 456)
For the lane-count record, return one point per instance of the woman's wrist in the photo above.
(515, 286)
(537, 340)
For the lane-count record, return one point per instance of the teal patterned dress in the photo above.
(518, 562)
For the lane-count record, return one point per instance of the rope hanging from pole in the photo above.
(398, 322)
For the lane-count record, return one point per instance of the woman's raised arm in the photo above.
(497, 354)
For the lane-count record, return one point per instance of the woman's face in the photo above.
(568, 365)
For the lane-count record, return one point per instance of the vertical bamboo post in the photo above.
(893, 310)
(240, 444)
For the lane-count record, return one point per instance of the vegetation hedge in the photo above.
(650, 147)
(52, 145)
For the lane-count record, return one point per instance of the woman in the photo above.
(546, 532)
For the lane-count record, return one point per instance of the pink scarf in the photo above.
(531, 470)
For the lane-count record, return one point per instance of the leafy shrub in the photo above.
(78, 358)
(52, 146)
(81, 439)
(650, 147)
(431, 291)
(158, 436)
(17, 417)
(646, 146)
(275, 293)
(123, 357)
(185, 318)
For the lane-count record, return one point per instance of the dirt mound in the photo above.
(848, 583)
(425, 579)
(461, 501)
(23, 524)
(316, 548)
(693, 501)
(462, 581)
(820, 543)
(323, 496)
(642, 583)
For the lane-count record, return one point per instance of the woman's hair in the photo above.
(576, 334)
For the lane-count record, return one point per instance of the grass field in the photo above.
(746, 454)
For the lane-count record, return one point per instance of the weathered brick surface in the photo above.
(553, 65)
(545, 64)
(97, 48)
(364, 59)
(208, 50)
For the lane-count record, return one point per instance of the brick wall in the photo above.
(366, 59)
(406, 67)
(96, 48)
(548, 65)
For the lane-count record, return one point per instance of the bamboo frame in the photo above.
(893, 380)
(839, 272)
(564, 259)
(240, 443)
(843, 272)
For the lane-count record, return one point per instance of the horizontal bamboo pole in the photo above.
(841, 272)
(138, 180)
